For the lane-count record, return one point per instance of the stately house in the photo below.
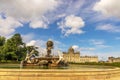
(113, 59)
(72, 56)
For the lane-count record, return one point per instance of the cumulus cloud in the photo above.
(8, 25)
(38, 24)
(37, 43)
(108, 28)
(31, 43)
(27, 9)
(108, 7)
(72, 25)
(18, 12)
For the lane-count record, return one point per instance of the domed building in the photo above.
(72, 56)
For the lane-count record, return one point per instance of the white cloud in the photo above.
(40, 44)
(61, 15)
(31, 43)
(27, 9)
(98, 43)
(37, 43)
(28, 37)
(72, 25)
(108, 7)
(38, 24)
(8, 25)
(87, 49)
(108, 28)
(104, 46)
(18, 12)
(40, 13)
(72, 7)
(77, 48)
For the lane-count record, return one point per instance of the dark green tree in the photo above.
(14, 48)
(2, 42)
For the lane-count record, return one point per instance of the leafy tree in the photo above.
(14, 48)
(2, 42)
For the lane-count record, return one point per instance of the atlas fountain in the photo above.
(47, 60)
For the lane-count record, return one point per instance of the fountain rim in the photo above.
(76, 70)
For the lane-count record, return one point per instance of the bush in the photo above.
(116, 64)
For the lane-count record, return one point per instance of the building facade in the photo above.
(72, 56)
(113, 59)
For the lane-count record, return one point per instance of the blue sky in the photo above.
(90, 26)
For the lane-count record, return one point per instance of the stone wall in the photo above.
(27, 74)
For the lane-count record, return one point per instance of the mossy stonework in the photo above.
(27, 74)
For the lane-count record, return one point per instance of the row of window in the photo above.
(81, 60)
(79, 57)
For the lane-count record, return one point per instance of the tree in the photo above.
(2, 42)
(14, 48)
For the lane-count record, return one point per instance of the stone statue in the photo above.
(49, 45)
(28, 56)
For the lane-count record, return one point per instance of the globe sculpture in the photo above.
(49, 45)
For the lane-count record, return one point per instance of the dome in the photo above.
(71, 50)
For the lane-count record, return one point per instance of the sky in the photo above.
(89, 26)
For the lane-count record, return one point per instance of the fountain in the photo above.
(48, 60)
(73, 72)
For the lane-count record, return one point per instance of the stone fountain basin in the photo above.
(53, 74)
(74, 72)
